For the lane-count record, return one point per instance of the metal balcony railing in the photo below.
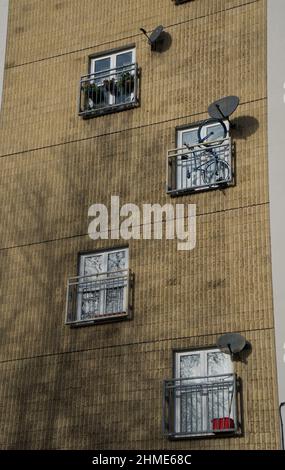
(98, 297)
(199, 167)
(200, 406)
(109, 91)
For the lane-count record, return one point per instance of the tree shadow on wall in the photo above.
(42, 384)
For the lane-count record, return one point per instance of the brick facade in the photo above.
(101, 386)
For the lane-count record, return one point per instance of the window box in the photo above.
(101, 292)
(223, 424)
(112, 84)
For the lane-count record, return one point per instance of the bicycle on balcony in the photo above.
(206, 161)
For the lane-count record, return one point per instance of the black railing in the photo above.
(98, 297)
(109, 91)
(200, 406)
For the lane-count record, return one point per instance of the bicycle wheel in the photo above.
(216, 172)
(211, 131)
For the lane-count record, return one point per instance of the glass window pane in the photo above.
(189, 137)
(220, 393)
(190, 399)
(191, 411)
(115, 299)
(115, 286)
(92, 265)
(116, 261)
(90, 303)
(190, 366)
(126, 58)
(219, 363)
(214, 132)
(102, 64)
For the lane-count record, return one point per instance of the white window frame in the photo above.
(102, 292)
(204, 373)
(113, 57)
(180, 177)
(180, 132)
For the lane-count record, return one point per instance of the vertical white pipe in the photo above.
(3, 33)
(276, 158)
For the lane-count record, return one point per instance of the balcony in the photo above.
(109, 91)
(98, 297)
(201, 406)
(199, 167)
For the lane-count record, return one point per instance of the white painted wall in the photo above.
(3, 30)
(276, 149)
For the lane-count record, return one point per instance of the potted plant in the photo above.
(126, 82)
(93, 95)
(110, 85)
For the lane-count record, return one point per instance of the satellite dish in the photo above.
(154, 37)
(232, 343)
(223, 108)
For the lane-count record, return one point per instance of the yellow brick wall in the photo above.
(46, 193)
(100, 387)
(112, 398)
(224, 284)
(215, 55)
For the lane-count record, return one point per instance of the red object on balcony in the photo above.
(223, 424)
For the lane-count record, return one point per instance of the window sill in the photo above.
(219, 434)
(185, 191)
(101, 319)
(88, 114)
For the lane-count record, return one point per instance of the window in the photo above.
(112, 84)
(202, 159)
(100, 292)
(201, 399)
(190, 135)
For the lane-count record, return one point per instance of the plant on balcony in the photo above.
(126, 82)
(110, 85)
(93, 95)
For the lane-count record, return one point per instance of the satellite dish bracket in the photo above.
(233, 126)
(223, 108)
(229, 346)
(145, 33)
(234, 343)
(220, 111)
